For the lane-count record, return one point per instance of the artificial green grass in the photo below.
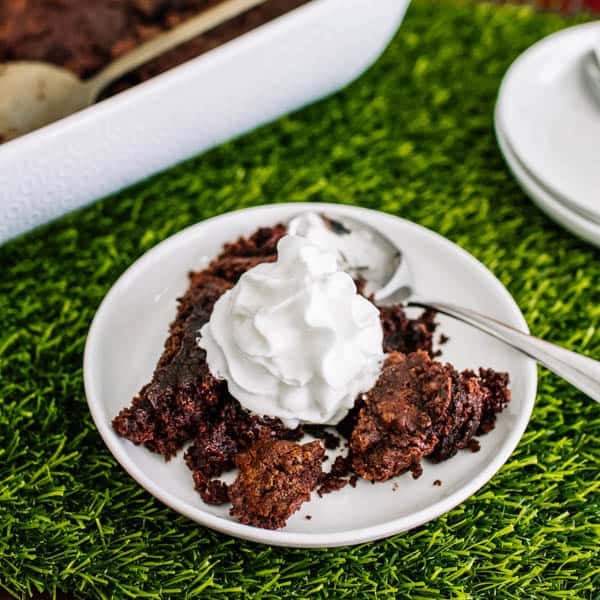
(412, 137)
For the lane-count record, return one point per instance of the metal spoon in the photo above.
(33, 94)
(391, 282)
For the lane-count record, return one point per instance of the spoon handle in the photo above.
(579, 370)
(167, 41)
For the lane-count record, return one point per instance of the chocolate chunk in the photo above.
(275, 478)
(421, 408)
(394, 429)
(401, 334)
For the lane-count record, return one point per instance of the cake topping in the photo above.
(358, 252)
(293, 339)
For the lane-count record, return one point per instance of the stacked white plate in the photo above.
(547, 123)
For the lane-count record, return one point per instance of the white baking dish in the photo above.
(291, 61)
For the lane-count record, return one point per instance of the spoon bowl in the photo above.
(362, 252)
(35, 94)
(395, 285)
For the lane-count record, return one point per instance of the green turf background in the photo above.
(412, 137)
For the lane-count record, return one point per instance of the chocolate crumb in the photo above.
(342, 466)
(330, 440)
(308, 517)
(331, 484)
(401, 334)
(417, 471)
(474, 445)
(437, 482)
(336, 478)
(213, 492)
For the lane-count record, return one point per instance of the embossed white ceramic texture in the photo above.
(127, 336)
(287, 63)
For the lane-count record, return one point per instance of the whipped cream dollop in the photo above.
(358, 251)
(293, 339)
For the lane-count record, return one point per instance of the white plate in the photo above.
(129, 329)
(551, 118)
(542, 197)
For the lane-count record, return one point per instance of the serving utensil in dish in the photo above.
(36, 93)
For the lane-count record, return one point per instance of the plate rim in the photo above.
(282, 537)
(572, 221)
(520, 63)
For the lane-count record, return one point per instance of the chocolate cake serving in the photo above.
(275, 478)
(85, 35)
(419, 408)
(183, 401)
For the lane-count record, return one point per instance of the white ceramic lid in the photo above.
(551, 118)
